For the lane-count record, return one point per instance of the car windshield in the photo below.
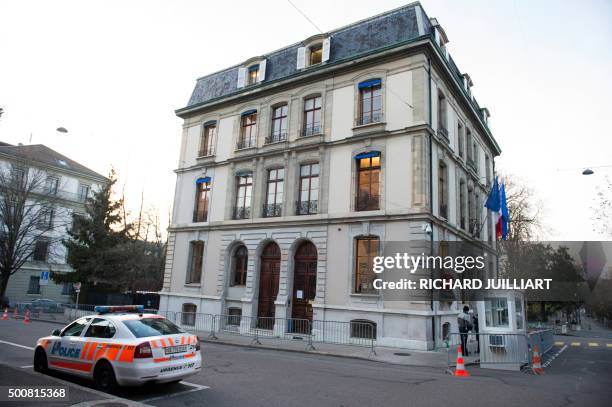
(144, 327)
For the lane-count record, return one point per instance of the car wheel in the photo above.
(104, 377)
(40, 361)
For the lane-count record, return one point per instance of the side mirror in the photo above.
(56, 332)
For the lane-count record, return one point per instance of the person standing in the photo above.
(475, 319)
(465, 325)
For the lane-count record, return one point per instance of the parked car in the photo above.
(44, 305)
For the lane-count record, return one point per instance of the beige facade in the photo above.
(410, 146)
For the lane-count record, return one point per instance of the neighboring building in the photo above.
(69, 183)
(295, 166)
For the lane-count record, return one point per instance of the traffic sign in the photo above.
(44, 278)
(77, 286)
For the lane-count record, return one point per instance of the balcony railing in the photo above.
(245, 143)
(200, 216)
(207, 151)
(474, 227)
(367, 202)
(443, 132)
(369, 118)
(472, 164)
(307, 207)
(444, 211)
(276, 137)
(311, 130)
(242, 212)
(272, 210)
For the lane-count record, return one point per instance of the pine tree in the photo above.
(95, 244)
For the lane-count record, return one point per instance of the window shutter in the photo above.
(241, 77)
(261, 74)
(326, 48)
(301, 57)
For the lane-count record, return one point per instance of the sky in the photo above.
(113, 72)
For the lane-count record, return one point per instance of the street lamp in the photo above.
(587, 171)
(61, 130)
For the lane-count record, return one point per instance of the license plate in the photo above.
(175, 349)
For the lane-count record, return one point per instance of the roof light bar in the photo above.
(108, 309)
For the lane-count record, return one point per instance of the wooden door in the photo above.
(304, 286)
(268, 285)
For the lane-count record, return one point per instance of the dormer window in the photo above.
(253, 73)
(316, 54)
(315, 51)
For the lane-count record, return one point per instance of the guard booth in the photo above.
(502, 327)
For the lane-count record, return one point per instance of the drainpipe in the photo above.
(431, 237)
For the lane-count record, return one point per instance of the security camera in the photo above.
(427, 228)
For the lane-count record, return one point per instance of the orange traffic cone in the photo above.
(460, 369)
(15, 314)
(5, 314)
(26, 318)
(536, 364)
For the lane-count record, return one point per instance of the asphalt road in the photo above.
(237, 376)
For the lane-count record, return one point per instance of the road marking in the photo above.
(196, 387)
(26, 367)
(593, 344)
(575, 343)
(17, 345)
(609, 345)
(559, 343)
(553, 357)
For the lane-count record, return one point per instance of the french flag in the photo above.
(496, 203)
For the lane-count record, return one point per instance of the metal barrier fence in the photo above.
(507, 350)
(53, 311)
(272, 329)
(543, 338)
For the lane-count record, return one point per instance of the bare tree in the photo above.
(525, 211)
(602, 212)
(31, 221)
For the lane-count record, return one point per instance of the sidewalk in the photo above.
(381, 354)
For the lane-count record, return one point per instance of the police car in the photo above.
(120, 346)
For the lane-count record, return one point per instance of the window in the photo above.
(34, 286)
(496, 312)
(188, 316)
(471, 212)
(51, 185)
(442, 131)
(368, 182)
(41, 250)
(312, 116)
(76, 328)
(244, 189)
(201, 205)
(468, 144)
(208, 139)
(274, 197)
(19, 174)
(309, 189)
(146, 327)
(83, 192)
(248, 130)
(460, 140)
(443, 189)
(370, 102)
(253, 73)
(488, 170)
(366, 248)
(316, 54)
(234, 316)
(194, 273)
(67, 289)
(279, 124)
(240, 262)
(45, 218)
(475, 155)
(363, 329)
(100, 328)
(462, 214)
(518, 311)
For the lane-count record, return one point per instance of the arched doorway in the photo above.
(268, 285)
(304, 285)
